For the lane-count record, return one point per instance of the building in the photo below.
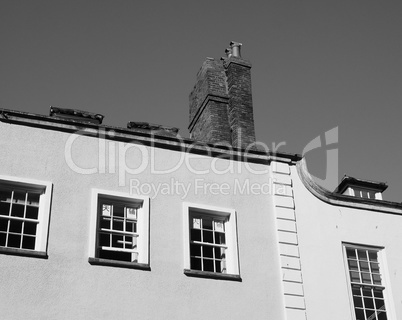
(100, 222)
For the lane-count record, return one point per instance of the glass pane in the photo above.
(379, 304)
(3, 237)
(195, 263)
(131, 213)
(370, 314)
(219, 253)
(357, 301)
(377, 279)
(117, 241)
(33, 199)
(219, 226)
(105, 223)
(5, 195)
(115, 255)
(372, 255)
(195, 250)
(118, 211)
(356, 290)
(195, 235)
(29, 228)
(219, 238)
(354, 276)
(378, 293)
(362, 254)
(207, 236)
(14, 241)
(17, 210)
(19, 197)
(3, 224)
(353, 265)
(359, 314)
(4, 208)
(15, 226)
(382, 316)
(375, 267)
(104, 240)
(207, 224)
(196, 223)
(369, 303)
(367, 292)
(366, 277)
(208, 265)
(28, 242)
(118, 224)
(31, 212)
(106, 210)
(208, 251)
(130, 226)
(364, 266)
(129, 242)
(351, 253)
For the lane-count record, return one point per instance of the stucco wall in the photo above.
(66, 286)
(321, 229)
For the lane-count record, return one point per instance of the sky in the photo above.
(316, 66)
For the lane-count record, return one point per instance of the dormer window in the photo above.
(361, 188)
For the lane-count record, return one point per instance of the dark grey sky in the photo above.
(316, 65)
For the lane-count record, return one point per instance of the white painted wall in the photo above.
(321, 230)
(66, 286)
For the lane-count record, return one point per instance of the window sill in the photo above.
(119, 264)
(212, 275)
(24, 253)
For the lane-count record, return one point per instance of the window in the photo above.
(367, 288)
(210, 242)
(121, 224)
(24, 216)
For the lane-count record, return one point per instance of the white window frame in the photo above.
(231, 253)
(45, 189)
(142, 228)
(390, 312)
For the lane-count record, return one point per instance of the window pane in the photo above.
(364, 266)
(33, 199)
(196, 223)
(195, 263)
(29, 228)
(219, 226)
(382, 316)
(369, 303)
(354, 276)
(362, 254)
(3, 224)
(372, 255)
(219, 238)
(208, 251)
(17, 210)
(206, 224)
(31, 212)
(105, 223)
(28, 242)
(118, 211)
(4, 208)
(379, 303)
(353, 265)
(366, 277)
(374, 267)
(16, 226)
(104, 239)
(195, 235)
(207, 236)
(19, 197)
(131, 213)
(360, 314)
(117, 241)
(357, 301)
(3, 237)
(14, 240)
(208, 265)
(195, 250)
(377, 279)
(118, 224)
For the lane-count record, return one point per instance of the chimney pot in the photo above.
(235, 46)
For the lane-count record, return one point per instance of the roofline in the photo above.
(149, 139)
(344, 200)
(350, 181)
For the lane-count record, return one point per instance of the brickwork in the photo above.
(221, 108)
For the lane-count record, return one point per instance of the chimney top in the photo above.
(235, 49)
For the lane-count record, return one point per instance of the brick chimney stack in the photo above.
(221, 107)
